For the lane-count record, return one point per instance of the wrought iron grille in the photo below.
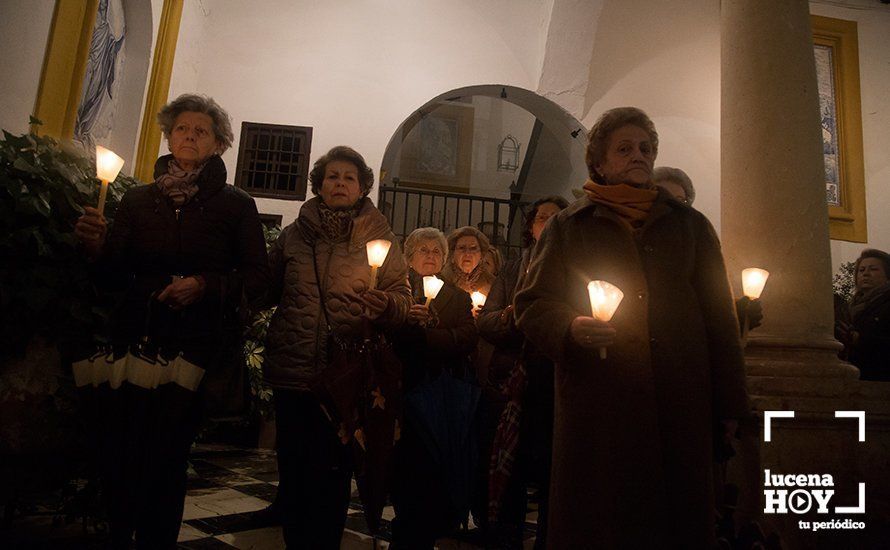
(500, 219)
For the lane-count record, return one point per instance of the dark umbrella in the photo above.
(359, 391)
(444, 409)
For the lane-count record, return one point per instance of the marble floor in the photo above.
(227, 487)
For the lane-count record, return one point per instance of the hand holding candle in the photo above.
(377, 251)
(478, 300)
(604, 300)
(431, 287)
(108, 166)
(753, 281)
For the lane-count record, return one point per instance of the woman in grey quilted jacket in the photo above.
(328, 238)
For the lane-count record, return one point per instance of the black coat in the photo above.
(633, 433)
(216, 235)
(499, 329)
(870, 347)
(444, 346)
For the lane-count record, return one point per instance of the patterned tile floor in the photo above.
(228, 486)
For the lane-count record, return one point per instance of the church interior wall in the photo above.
(24, 29)
(354, 75)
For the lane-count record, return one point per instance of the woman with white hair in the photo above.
(438, 338)
(676, 182)
(186, 249)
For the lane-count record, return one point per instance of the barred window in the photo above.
(273, 160)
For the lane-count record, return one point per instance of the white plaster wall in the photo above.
(355, 69)
(24, 28)
(133, 82)
(873, 22)
(664, 57)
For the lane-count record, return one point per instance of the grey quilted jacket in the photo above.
(296, 343)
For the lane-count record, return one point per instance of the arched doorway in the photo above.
(476, 156)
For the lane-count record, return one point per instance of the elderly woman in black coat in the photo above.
(633, 432)
(186, 250)
(867, 335)
(497, 325)
(438, 338)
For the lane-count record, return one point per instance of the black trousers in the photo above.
(314, 471)
(144, 458)
(423, 509)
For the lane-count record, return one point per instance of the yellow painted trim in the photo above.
(158, 89)
(64, 66)
(847, 222)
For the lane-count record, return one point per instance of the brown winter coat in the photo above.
(296, 346)
(633, 434)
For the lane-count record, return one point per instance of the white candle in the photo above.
(377, 251)
(478, 299)
(604, 300)
(431, 287)
(108, 166)
(753, 281)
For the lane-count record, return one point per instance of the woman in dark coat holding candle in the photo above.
(632, 442)
(437, 338)
(321, 281)
(186, 250)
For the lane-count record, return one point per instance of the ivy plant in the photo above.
(255, 348)
(45, 289)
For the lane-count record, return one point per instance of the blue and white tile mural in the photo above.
(98, 102)
(828, 108)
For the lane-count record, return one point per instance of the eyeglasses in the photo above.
(424, 251)
(467, 249)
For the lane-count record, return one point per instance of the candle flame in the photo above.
(431, 286)
(377, 251)
(108, 164)
(604, 299)
(753, 281)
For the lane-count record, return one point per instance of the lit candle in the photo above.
(753, 281)
(377, 251)
(108, 165)
(604, 300)
(478, 299)
(431, 287)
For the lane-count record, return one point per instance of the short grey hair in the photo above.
(608, 122)
(222, 122)
(426, 234)
(668, 173)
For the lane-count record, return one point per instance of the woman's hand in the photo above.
(590, 333)
(376, 301)
(182, 292)
(91, 229)
(419, 314)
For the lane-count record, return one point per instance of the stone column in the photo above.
(774, 216)
(773, 207)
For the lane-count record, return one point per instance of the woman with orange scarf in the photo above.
(633, 432)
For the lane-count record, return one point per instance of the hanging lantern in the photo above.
(508, 154)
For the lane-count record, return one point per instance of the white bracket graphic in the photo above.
(854, 414)
(767, 421)
(854, 509)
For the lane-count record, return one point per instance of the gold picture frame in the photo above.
(437, 151)
(836, 50)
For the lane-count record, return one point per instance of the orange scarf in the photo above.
(632, 204)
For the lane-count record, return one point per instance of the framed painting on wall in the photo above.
(438, 149)
(836, 51)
